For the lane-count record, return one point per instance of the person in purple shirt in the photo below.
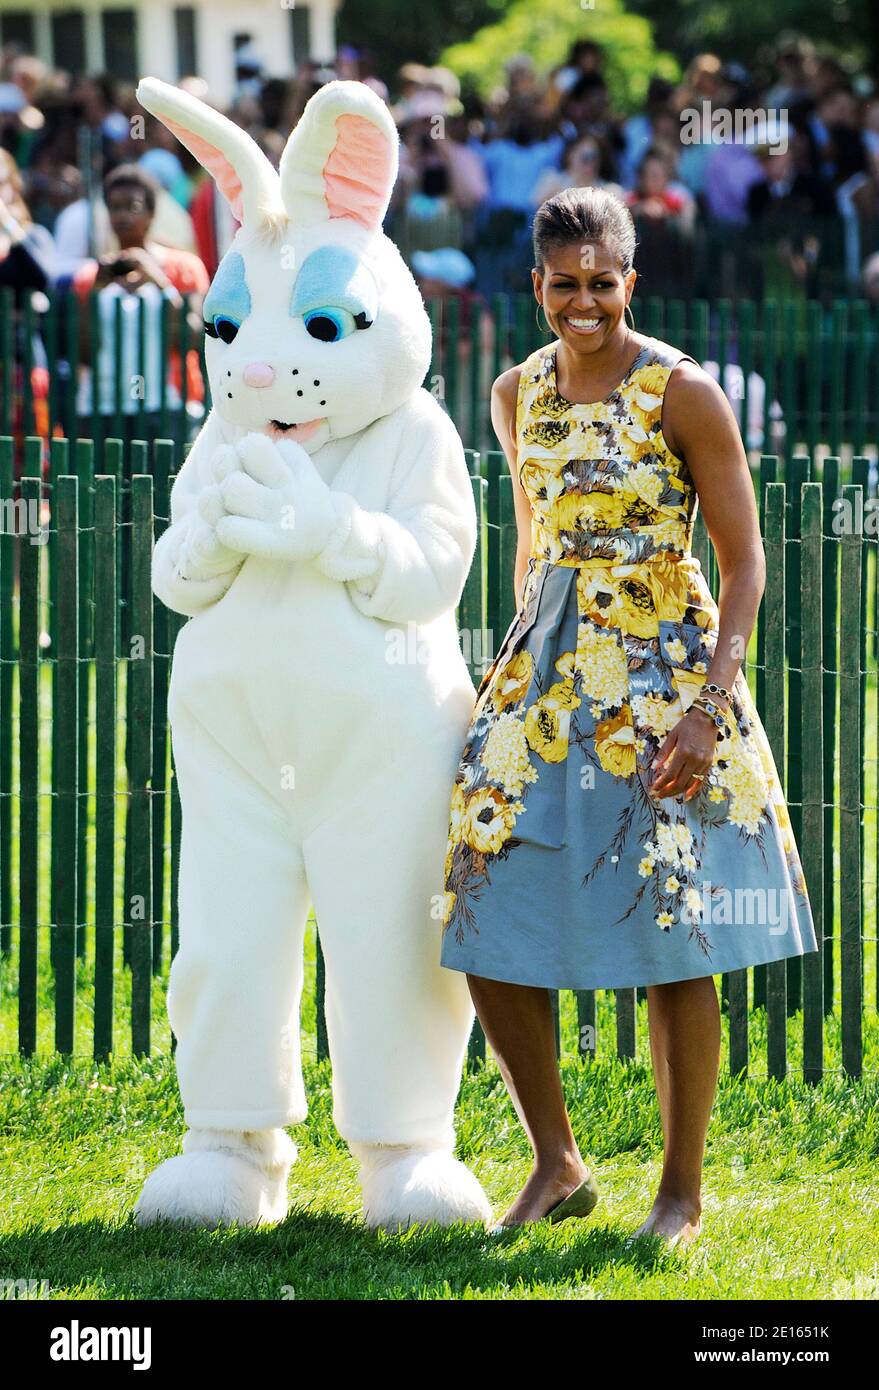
(731, 171)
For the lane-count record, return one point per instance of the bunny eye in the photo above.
(329, 325)
(221, 327)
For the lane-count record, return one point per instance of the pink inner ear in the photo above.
(358, 173)
(217, 165)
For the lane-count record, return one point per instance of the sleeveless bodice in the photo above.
(601, 479)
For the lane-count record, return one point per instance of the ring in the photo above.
(698, 776)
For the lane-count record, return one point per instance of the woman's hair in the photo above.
(584, 214)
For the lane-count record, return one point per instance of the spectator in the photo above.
(639, 132)
(657, 197)
(27, 251)
(582, 165)
(172, 224)
(663, 212)
(137, 278)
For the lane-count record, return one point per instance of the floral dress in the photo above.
(561, 870)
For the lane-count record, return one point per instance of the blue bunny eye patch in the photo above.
(333, 277)
(334, 294)
(228, 298)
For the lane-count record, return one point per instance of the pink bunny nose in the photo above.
(258, 374)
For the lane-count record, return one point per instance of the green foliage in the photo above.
(399, 31)
(747, 33)
(546, 31)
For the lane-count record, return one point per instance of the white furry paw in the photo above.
(223, 1176)
(403, 1186)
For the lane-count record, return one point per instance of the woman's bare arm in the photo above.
(700, 427)
(503, 418)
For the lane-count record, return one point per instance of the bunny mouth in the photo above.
(282, 429)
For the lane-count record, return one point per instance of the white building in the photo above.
(171, 41)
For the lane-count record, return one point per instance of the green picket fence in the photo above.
(90, 819)
(816, 363)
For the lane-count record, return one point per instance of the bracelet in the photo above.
(714, 689)
(712, 710)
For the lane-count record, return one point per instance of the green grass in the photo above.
(791, 1196)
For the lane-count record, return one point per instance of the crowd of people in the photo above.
(95, 195)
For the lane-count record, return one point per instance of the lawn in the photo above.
(791, 1196)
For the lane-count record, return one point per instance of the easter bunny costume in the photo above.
(322, 528)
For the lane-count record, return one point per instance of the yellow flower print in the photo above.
(744, 781)
(652, 712)
(550, 433)
(548, 722)
(672, 884)
(635, 440)
(676, 651)
(645, 868)
(622, 596)
(651, 379)
(647, 482)
(615, 744)
(601, 663)
(505, 755)
(448, 903)
(488, 820)
(513, 682)
(537, 477)
(456, 817)
(693, 899)
(664, 920)
(549, 402)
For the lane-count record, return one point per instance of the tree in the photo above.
(545, 31)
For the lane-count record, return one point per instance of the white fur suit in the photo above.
(321, 532)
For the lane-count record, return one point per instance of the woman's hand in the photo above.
(685, 757)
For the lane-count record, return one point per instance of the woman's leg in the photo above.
(517, 1021)
(685, 1045)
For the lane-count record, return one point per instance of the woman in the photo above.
(616, 788)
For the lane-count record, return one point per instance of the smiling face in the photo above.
(314, 333)
(584, 293)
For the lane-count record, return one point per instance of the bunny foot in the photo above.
(222, 1176)
(407, 1184)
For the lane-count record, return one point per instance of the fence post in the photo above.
(812, 694)
(796, 473)
(65, 732)
(163, 457)
(140, 676)
(28, 774)
(105, 760)
(830, 624)
(84, 465)
(774, 723)
(7, 658)
(850, 755)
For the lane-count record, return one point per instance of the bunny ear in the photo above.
(241, 171)
(341, 160)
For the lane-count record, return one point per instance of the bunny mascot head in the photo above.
(314, 325)
(322, 528)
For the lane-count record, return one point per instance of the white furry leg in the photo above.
(407, 1183)
(223, 1175)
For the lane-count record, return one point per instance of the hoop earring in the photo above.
(628, 310)
(540, 326)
